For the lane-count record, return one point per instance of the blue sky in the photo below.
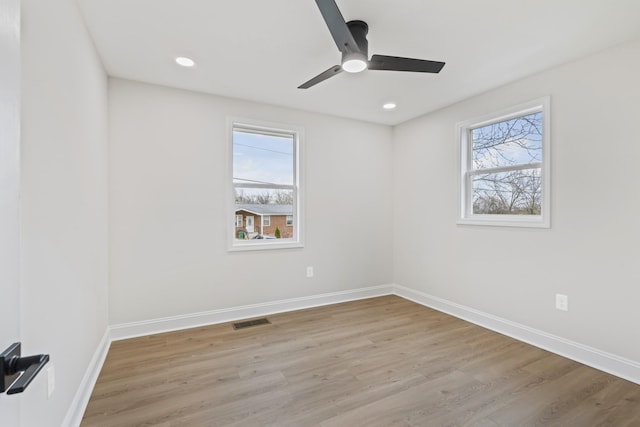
(523, 143)
(262, 158)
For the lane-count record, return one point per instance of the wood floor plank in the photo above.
(376, 362)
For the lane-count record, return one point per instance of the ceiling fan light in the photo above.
(354, 63)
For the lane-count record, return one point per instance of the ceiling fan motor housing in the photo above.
(356, 58)
(359, 31)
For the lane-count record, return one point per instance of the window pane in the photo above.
(263, 158)
(269, 209)
(516, 192)
(511, 142)
(265, 180)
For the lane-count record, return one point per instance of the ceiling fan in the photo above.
(351, 39)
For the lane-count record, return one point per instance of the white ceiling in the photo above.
(262, 50)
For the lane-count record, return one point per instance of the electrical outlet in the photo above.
(562, 302)
(309, 272)
(51, 381)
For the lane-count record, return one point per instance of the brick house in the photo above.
(257, 219)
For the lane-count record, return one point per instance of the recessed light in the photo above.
(185, 62)
(389, 105)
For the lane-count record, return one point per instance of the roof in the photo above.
(270, 209)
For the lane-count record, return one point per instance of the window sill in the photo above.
(251, 246)
(506, 221)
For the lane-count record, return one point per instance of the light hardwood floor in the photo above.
(376, 362)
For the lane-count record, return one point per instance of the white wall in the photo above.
(168, 219)
(9, 189)
(64, 202)
(591, 253)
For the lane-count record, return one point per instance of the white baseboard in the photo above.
(168, 324)
(607, 362)
(81, 398)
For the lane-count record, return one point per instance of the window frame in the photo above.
(266, 221)
(264, 127)
(465, 167)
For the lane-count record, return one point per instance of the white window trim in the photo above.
(266, 221)
(241, 218)
(465, 216)
(234, 245)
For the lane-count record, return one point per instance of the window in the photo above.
(265, 181)
(238, 221)
(504, 167)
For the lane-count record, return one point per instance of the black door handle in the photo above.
(11, 364)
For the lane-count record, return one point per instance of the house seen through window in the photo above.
(265, 186)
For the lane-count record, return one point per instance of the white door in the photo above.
(249, 222)
(9, 184)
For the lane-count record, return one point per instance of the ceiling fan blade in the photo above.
(396, 63)
(336, 69)
(337, 26)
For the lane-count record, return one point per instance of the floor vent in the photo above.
(249, 323)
